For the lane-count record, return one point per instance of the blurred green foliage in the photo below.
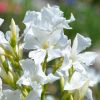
(87, 21)
(17, 16)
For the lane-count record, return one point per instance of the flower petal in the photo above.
(77, 81)
(54, 53)
(33, 96)
(31, 18)
(88, 95)
(79, 67)
(32, 72)
(58, 39)
(72, 18)
(80, 43)
(28, 65)
(51, 78)
(54, 37)
(11, 95)
(24, 79)
(30, 42)
(37, 55)
(2, 39)
(88, 57)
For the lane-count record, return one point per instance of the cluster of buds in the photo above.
(44, 40)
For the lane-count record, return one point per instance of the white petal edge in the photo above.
(80, 43)
(88, 57)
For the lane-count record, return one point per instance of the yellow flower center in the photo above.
(45, 45)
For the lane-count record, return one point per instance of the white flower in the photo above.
(44, 43)
(74, 79)
(37, 40)
(75, 57)
(48, 19)
(45, 32)
(76, 62)
(33, 73)
(76, 82)
(51, 43)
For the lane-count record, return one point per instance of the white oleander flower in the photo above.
(45, 32)
(74, 55)
(73, 78)
(78, 79)
(75, 62)
(51, 44)
(47, 20)
(76, 82)
(33, 73)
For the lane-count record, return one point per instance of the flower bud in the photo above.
(13, 34)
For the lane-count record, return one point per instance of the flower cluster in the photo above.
(44, 40)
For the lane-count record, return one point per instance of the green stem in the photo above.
(43, 92)
(62, 85)
(44, 65)
(80, 98)
(43, 96)
(71, 97)
(23, 97)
